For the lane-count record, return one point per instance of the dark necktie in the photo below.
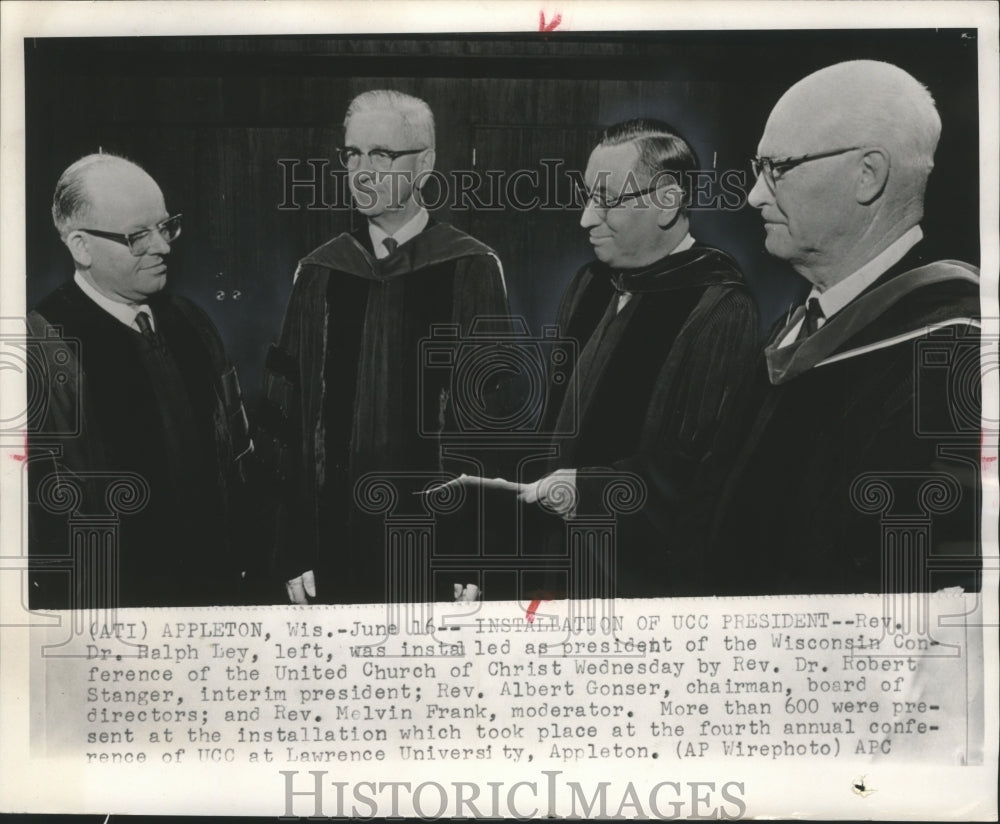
(142, 321)
(391, 244)
(810, 323)
(180, 434)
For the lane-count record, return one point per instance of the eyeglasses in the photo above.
(773, 169)
(381, 159)
(600, 202)
(139, 243)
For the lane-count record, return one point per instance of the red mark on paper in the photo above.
(23, 457)
(529, 616)
(552, 25)
(982, 444)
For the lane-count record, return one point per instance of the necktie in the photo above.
(624, 295)
(810, 323)
(142, 321)
(390, 244)
(180, 431)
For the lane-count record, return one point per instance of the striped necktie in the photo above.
(810, 323)
(145, 327)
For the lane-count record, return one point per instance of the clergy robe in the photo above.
(662, 386)
(866, 437)
(105, 395)
(346, 394)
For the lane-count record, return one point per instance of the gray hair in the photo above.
(71, 202)
(418, 119)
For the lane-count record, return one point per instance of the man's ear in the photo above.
(669, 201)
(79, 248)
(873, 174)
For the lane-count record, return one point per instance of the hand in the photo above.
(470, 592)
(299, 588)
(555, 492)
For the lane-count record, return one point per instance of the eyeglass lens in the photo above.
(351, 159)
(142, 242)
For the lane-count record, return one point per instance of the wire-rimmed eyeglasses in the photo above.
(601, 202)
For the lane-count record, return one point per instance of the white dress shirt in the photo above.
(409, 230)
(123, 312)
(840, 294)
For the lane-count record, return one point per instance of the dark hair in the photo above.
(661, 148)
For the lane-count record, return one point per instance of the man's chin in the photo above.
(155, 283)
(604, 255)
(777, 245)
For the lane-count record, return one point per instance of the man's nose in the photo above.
(365, 175)
(159, 245)
(760, 194)
(365, 165)
(590, 217)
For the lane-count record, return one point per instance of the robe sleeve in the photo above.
(887, 451)
(568, 308)
(696, 418)
(479, 292)
(480, 310)
(282, 440)
(234, 448)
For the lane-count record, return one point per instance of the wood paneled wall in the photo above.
(211, 118)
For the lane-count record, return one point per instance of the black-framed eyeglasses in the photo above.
(600, 201)
(381, 159)
(139, 243)
(773, 168)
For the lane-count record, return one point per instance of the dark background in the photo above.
(210, 117)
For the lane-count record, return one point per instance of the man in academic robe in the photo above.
(666, 332)
(346, 390)
(143, 423)
(860, 473)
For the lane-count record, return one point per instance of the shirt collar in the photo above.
(123, 312)
(684, 245)
(624, 297)
(409, 230)
(840, 294)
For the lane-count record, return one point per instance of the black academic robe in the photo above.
(360, 382)
(861, 471)
(658, 394)
(111, 453)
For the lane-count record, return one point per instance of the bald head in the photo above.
(103, 183)
(860, 103)
(850, 148)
